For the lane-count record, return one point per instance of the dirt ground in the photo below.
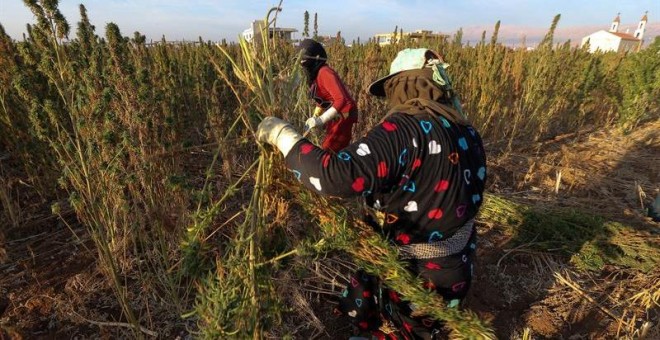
(608, 173)
(50, 286)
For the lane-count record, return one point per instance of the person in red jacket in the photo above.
(339, 110)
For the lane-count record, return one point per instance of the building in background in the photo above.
(257, 27)
(418, 35)
(327, 40)
(615, 41)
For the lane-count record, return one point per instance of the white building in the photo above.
(257, 27)
(416, 36)
(613, 40)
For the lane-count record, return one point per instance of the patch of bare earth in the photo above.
(48, 278)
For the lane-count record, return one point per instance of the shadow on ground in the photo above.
(607, 262)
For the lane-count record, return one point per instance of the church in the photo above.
(615, 41)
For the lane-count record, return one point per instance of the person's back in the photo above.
(424, 168)
(441, 170)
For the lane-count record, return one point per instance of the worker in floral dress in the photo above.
(423, 167)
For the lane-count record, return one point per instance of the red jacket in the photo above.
(329, 88)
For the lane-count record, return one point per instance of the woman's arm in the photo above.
(367, 166)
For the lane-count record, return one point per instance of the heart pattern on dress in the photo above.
(391, 218)
(462, 142)
(434, 148)
(297, 174)
(411, 206)
(403, 157)
(457, 287)
(326, 160)
(358, 184)
(363, 150)
(316, 182)
(389, 127)
(453, 158)
(394, 297)
(382, 170)
(460, 210)
(403, 238)
(435, 214)
(344, 156)
(306, 148)
(481, 173)
(435, 236)
(410, 186)
(442, 185)
(445, 122)
(426, 126)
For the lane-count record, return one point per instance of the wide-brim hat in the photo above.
(406, 60)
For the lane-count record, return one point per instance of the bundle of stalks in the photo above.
(240, 300)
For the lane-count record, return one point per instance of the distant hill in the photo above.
(514, 34)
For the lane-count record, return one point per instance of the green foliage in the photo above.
(305, 32)
(590, 242)
(315, 35)
(639, 78)
(99, 114)
(548, 39)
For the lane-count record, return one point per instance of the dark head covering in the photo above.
(313, 57)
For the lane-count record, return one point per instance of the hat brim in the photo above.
(377, 87)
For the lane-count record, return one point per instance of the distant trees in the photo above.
(316, 26)
(339, 39)
(305, 32)
(458, 38)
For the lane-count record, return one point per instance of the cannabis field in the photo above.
(137, 204)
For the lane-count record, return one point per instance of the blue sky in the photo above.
(215, 20)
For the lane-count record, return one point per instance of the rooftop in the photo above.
(624, 36)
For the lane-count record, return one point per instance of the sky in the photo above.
(226, 19)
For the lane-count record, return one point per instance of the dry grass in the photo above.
(600, 171)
